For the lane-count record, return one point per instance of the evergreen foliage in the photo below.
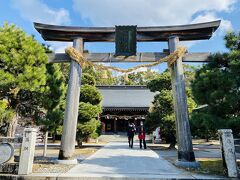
(53, 100)
(89, 110)
(217, 84)
(161, 114)
(22, 72)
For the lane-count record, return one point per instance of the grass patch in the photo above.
(211, 166)
(207, 166)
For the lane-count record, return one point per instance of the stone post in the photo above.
(71, 111)
(27, 151)
(186, 156)
(228, 152)
(45, 144)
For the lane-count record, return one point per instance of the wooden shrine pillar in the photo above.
(184, 139)
(71, 111)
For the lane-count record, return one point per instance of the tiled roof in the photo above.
(126, 97)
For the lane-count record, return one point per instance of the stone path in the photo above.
(116, 160)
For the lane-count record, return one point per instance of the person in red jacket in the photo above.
(141, 135)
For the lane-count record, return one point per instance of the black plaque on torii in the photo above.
(125, 40)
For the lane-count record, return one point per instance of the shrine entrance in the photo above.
(126, 38)
(121, 104)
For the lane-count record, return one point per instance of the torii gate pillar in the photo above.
(71, 111)
(186, 156)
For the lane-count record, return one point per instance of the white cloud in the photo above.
(37, 11)
(225, 26)
(59, 47)
(147, 12)
(155, 12)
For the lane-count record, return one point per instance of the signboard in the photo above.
(125, 40)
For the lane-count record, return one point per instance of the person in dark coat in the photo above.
(130, 132)
(141, 135)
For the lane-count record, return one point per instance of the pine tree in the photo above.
(22, 72)
(217, 84)
(161, 114)
(89, 109)
(53, 100)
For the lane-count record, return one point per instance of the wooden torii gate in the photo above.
(170, 34)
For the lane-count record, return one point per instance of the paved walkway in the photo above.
(117, 160)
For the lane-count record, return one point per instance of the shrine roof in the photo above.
(126, 97)
(187, 32)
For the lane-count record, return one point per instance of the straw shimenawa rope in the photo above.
(170, 59)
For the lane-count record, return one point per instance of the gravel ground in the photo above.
(209, 156)
(48, 164)
(51, 168)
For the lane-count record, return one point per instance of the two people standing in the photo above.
(141, 134)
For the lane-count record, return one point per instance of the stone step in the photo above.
(55, 176)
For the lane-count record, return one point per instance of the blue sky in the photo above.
(124, 12)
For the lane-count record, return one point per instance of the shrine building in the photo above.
(121, 104)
